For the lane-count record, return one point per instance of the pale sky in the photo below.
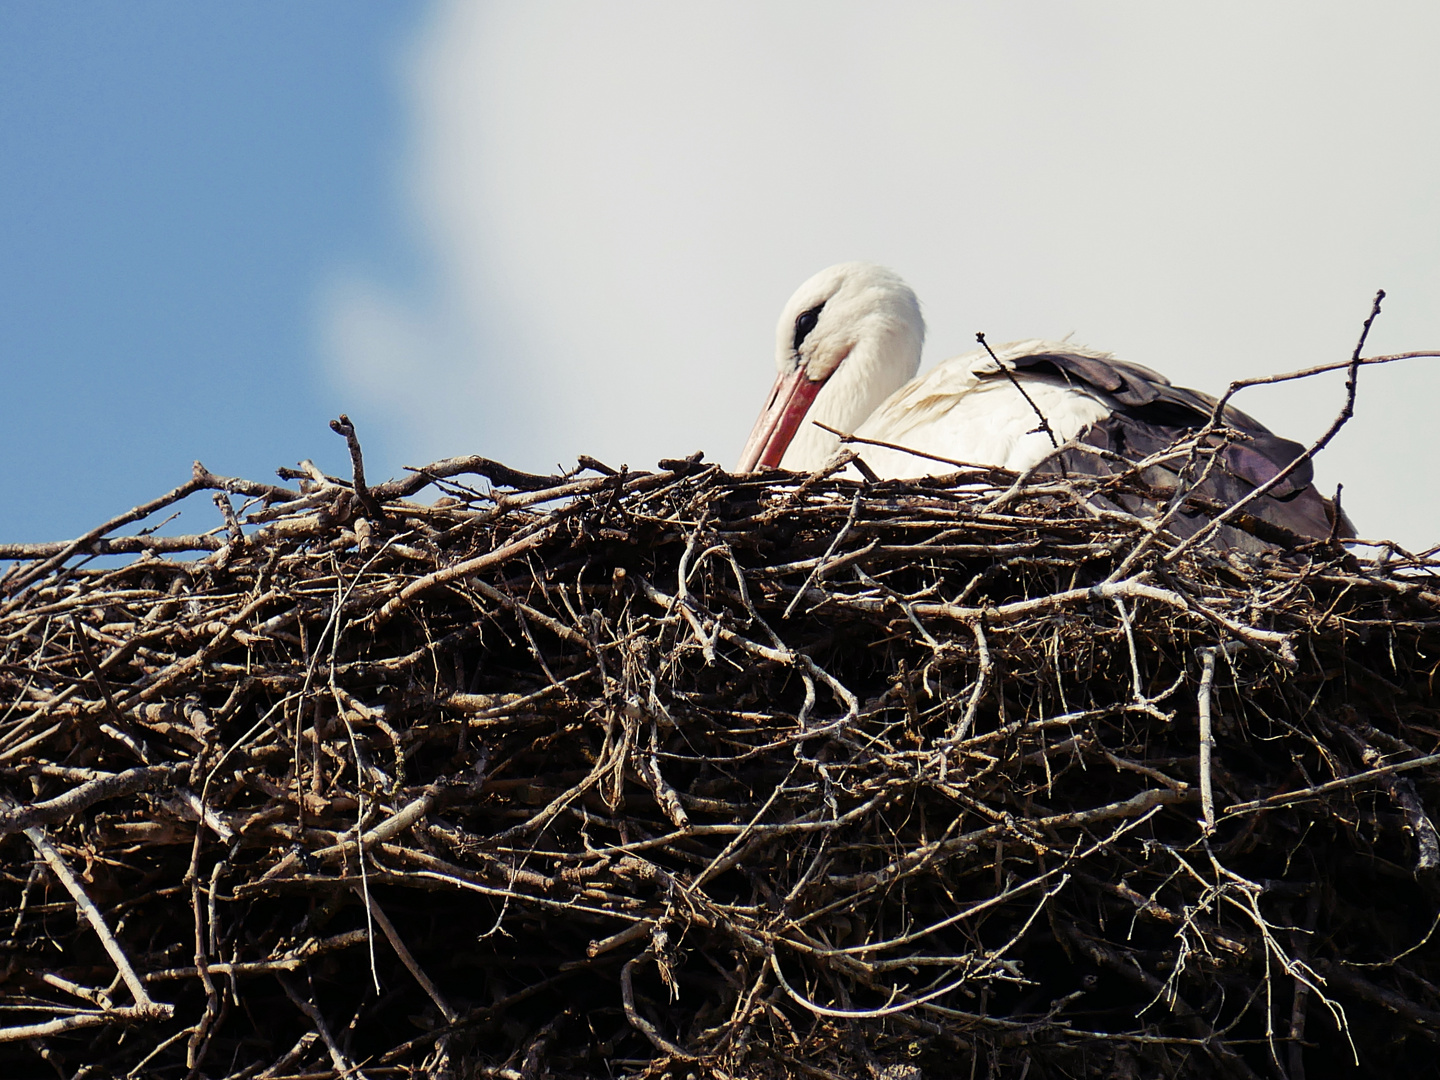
(537, 230)
(619, 198)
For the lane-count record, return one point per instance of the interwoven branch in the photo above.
(717, 774)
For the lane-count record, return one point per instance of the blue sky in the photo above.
(176, 179)
(543, 229)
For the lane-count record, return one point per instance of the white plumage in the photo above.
(847, 348)
(967, 410)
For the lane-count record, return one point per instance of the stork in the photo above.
(847, 348)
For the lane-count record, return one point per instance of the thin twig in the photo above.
(1346, 412)
(1010, 374)
(1207, 739)
(145, 1006)
(408, 959)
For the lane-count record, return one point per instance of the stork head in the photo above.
(848, 339)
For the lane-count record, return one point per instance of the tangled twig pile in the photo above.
(684, 773)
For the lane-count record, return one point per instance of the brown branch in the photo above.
(76, 1022)
(952, 760)
(116, 545)
(343, 426)
(1285, 798)
(408, 959)
(1207, 738)
(1346, 412)
(145, 1006)
(847, 437)
(17, 818)
(1009, 374)
(200, 480)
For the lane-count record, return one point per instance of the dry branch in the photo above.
(733, 776)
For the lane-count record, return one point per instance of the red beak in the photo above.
(788, 403)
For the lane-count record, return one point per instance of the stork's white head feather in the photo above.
(849, 338)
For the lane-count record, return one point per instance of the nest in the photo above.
(689, 774)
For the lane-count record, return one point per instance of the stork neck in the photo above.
(875, 368)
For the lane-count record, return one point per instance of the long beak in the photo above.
(786, 407)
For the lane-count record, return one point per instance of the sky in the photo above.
(177, 181)
(537, 230)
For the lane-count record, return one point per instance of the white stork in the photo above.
(848, 346)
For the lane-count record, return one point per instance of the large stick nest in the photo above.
(684, 773)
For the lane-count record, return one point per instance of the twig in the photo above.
(407, 958)
(1284, 798)
(1207, 740)
(460, 570)
(1346, 412)
(337, 1056)
(1009, 374)
(846, 437)
(344, 427)
(116, 545)
(1319, 369)
(76, 1022)
(200, 480)
(1109, 590)
(145, 1008)
(982, 676)
(638, 1022)
(820, 566)
(1136, 686)
(15, 818)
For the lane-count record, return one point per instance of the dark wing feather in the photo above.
(1129, 384)
(1151, 414)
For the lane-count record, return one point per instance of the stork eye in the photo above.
(805, 323)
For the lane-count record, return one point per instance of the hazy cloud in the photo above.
(618, 199)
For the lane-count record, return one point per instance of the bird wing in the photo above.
(1141, 413)
(926, 401)
(1150, 414)
(962, 410)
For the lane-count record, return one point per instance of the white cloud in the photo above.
(619, 198)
